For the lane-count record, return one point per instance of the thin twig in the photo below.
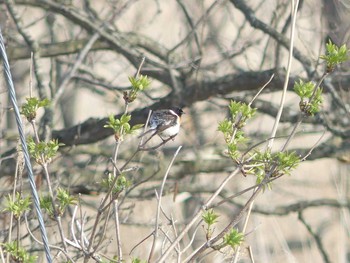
(139, 243)
(41, 243)
(294, 11)
(13, 99)
(117, 230)
(31, 75)
(71, 72)
(155, 233)
(142, 148)
(228, 227)
(178, 249)
(198, 215)
(316, 238)
(189, 245)
(72, 227)
(251, 256)
(261, 89)
(104, 229)
(44, 165)
(313, 147)
(286, 80)
(83, 239)
(194, 27)
(238, 249)
(137, 75)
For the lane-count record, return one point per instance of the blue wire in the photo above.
(13, 99)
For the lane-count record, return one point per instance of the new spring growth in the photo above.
(210, 218)
(18, 253)
(17, 205)
(64, 199)
(121, 127)
(232, 127)
(233, 238)
(272, 164)
(139, 83)
(121, 183)
(334, 56)
(310, 99)
(29, 109)
(43, 152)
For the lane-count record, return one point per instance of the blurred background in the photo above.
(199, 55)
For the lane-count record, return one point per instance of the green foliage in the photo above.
(137, 260)
(233, 238)
(46, 205)
(63, 200)
(210, 217)
(31, 106)
(272, 164)
(138, 84)
(231, 128)
(18, 205)
(18, 254)
(315, 104)
(310, 99)
(242, 108)
(141, 83)
(43, 152)
(261, 164)
(121, 183)
(114, 259)
(334, 55)
(286, 162)
(121, 127)
(304, 90)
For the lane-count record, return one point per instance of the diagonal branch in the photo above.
(281, 39)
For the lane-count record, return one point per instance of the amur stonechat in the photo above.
(165, 123)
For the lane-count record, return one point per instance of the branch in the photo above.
(317, 238)
(75, 45)
(55, 49)
(299, 206)
(92, 129)
(117, 41)
(281, 39)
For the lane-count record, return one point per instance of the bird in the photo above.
(165, 123)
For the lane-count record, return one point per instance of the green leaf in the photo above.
(18, 205)
(121, 183)
(225, 126)
(43, 152)
(46, 205)
(31, 106)
(241, 108)
(137, 260)
(141, 83)
(287, 162)
(304, 90)
(126, 128)
(210, 217)
(125, 118)
(18, 254)
(136, 127)
(334, 55)
(316, 102)
(233, 238)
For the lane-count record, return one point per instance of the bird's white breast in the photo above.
(171, 131)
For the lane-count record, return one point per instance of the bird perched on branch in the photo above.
(165, 123)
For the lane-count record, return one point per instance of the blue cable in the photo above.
(13, 99)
